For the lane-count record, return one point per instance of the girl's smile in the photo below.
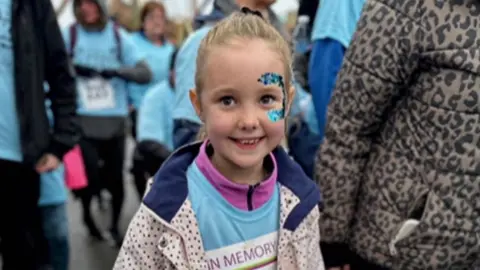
(247, 143)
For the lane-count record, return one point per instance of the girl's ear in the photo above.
(290, 97)
(195, 100)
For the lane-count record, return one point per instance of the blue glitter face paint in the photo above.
(270, 78)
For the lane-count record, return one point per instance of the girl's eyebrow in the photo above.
(271, 88)
(224, 87)
(224, 90)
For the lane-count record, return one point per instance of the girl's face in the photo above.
(242, 102)
(90, 11)
(154, 24)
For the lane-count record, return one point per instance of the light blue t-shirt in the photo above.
(155, 120)
(158, 59)
(185, 67)
(53, 190)
(10, 146)
(337, 20)
(233, 238)
(99, 50)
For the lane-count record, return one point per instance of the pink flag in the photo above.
(75, 176)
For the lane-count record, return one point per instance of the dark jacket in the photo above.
(402, 141)
(40, 56)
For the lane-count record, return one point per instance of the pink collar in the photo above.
(236, 194)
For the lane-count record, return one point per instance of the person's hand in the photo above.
(108, 73)
(345, 267)
(84, 71)
(47, 163)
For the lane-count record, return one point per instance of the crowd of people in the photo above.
(359, 150)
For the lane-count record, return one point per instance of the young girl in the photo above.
(235, 200)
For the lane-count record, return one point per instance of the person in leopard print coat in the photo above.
(400, 164)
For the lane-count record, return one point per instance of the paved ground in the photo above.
(85, 253)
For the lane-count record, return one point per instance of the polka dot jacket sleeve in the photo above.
(300, 249)
(139, 250)
(314, 254)
(306, 244)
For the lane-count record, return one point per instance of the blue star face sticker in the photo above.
(270, 78)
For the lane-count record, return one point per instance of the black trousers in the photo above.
(104, 167)
(23, 244)
(358, 263)
(140, 177)
(133, 122)
(148, 157)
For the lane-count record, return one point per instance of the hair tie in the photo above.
(246, 10)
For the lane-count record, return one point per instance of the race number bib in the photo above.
(96, 93)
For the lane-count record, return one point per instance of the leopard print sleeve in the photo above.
(380, 59)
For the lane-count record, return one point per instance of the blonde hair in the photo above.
(241, 26)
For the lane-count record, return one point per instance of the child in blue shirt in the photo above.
(154, 130)
(52, 203)
(235, 200)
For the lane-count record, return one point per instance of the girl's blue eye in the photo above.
(267, 99)
(227, 101)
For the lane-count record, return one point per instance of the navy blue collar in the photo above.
(170, 187)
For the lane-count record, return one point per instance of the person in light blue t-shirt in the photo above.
(155, 130)
(333, 29)
(152, 42)
(31, 52)
(186, 122)
(105, 59)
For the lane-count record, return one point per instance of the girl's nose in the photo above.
(248, 120)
